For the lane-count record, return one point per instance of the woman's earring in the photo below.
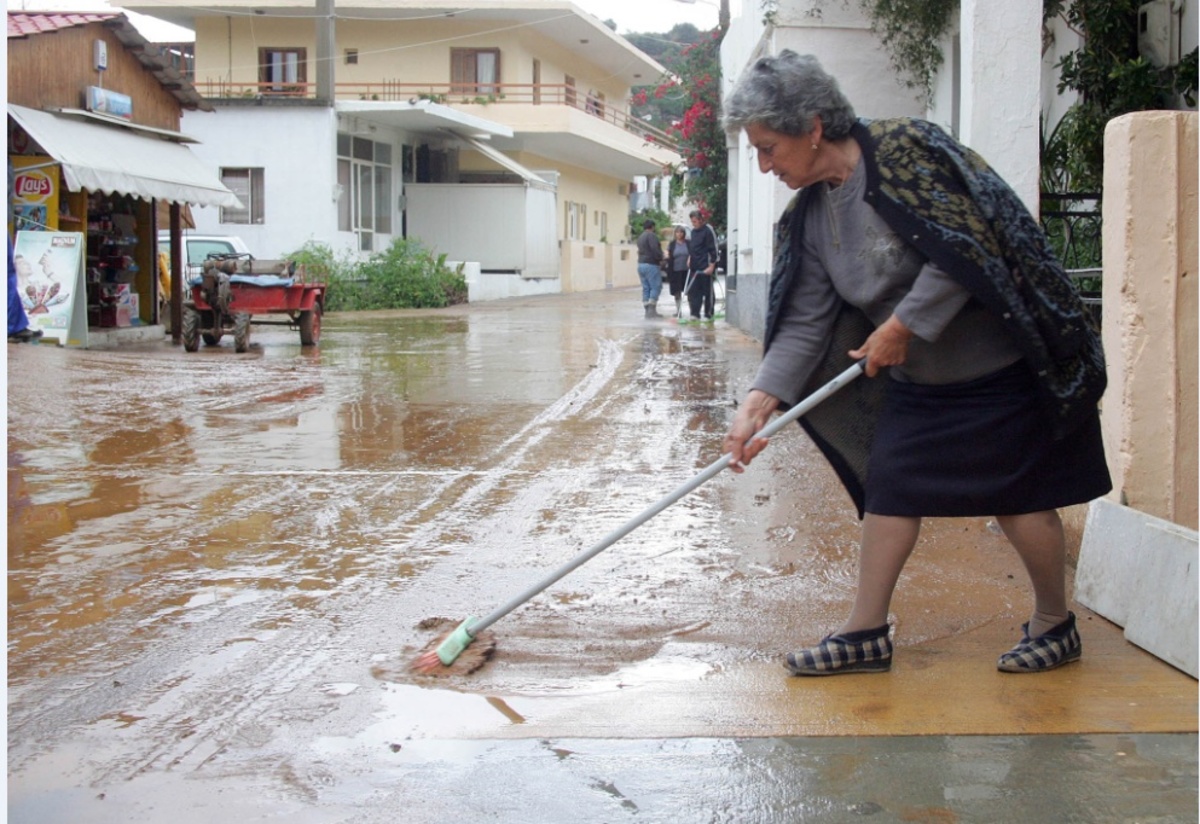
(814, 147)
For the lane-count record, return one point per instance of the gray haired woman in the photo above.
(905, 250)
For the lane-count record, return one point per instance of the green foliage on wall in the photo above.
(912, 32)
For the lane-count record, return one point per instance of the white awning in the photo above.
(416, 116)
(118, 159)
(504, 160)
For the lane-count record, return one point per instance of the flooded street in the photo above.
(221, 565)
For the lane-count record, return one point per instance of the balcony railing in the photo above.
(474, 94)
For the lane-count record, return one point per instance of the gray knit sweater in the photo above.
(856, 257)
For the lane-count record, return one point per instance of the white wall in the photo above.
(840, 37)
(1001, 79)
(296, 146)
(1063, 40)
(452, 219)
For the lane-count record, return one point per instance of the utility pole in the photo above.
(326, 40)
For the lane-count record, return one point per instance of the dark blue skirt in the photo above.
(979, 448)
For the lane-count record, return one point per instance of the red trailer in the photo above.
(235, 288)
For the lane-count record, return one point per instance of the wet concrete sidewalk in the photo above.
(220, 566)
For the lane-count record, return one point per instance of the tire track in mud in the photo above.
(190, 715)
(551, 519)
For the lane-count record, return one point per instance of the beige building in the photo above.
(497, 135)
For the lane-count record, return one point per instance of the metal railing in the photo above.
(452, 94)
(1073, 223)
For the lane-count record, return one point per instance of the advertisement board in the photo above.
(35, 194)
(50, 280)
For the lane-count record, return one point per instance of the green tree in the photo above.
(661, 110)
(1112, 79)
(693, 85)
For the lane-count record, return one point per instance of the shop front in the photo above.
(85, 191)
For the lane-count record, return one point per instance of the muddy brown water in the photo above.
(213, 556)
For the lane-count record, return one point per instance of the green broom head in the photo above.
(457, 641)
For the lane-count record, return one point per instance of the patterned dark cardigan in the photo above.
(944, 200)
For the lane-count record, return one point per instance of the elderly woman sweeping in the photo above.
(904, 249)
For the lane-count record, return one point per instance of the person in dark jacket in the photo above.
(19, 330)
(649, 259)
(905, 250)
(702, 267)
(676, 264)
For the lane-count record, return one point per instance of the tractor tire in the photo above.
(190, 329)
(241, 332)
(310, 326)
(213, 338)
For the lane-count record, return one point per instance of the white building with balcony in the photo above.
(497, 135)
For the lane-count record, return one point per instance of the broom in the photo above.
(445, 651)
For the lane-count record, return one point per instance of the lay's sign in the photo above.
(35, 194)
(33, 187)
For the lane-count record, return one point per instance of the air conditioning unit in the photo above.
(1158, 31)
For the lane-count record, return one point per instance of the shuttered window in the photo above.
(475, 71)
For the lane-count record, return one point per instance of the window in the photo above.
(537, 81)
(571, 224)
(351, 57)
(198, 250)
(282, 71)
(364, 172)
(247, 184)
(569, 92)
(474, 71)
(576, 221)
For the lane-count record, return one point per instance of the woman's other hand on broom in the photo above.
(886, 346)
(752, 415)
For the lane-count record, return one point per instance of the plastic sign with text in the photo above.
(113, 104)
(34, 195)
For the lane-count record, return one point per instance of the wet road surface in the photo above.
(220, 566)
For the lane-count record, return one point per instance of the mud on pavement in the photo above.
(218, 563)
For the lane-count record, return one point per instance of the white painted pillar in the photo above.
(664, 194)
(1001, 84)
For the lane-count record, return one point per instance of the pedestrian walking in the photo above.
(702, 247)
(677, 267)
(19, 330)
(903, 248)
(650, 255)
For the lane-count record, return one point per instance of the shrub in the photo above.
(662, 221)
(405, 276)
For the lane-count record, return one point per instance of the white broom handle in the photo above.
(805, 406)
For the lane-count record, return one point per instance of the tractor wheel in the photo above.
(241, 332)
(213, 337)
(310, 326)
(190, 331)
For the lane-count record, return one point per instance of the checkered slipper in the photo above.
(1059, 646)
(867, 650)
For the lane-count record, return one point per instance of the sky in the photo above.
(629, 15)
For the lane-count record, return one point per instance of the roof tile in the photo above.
(23, 24)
